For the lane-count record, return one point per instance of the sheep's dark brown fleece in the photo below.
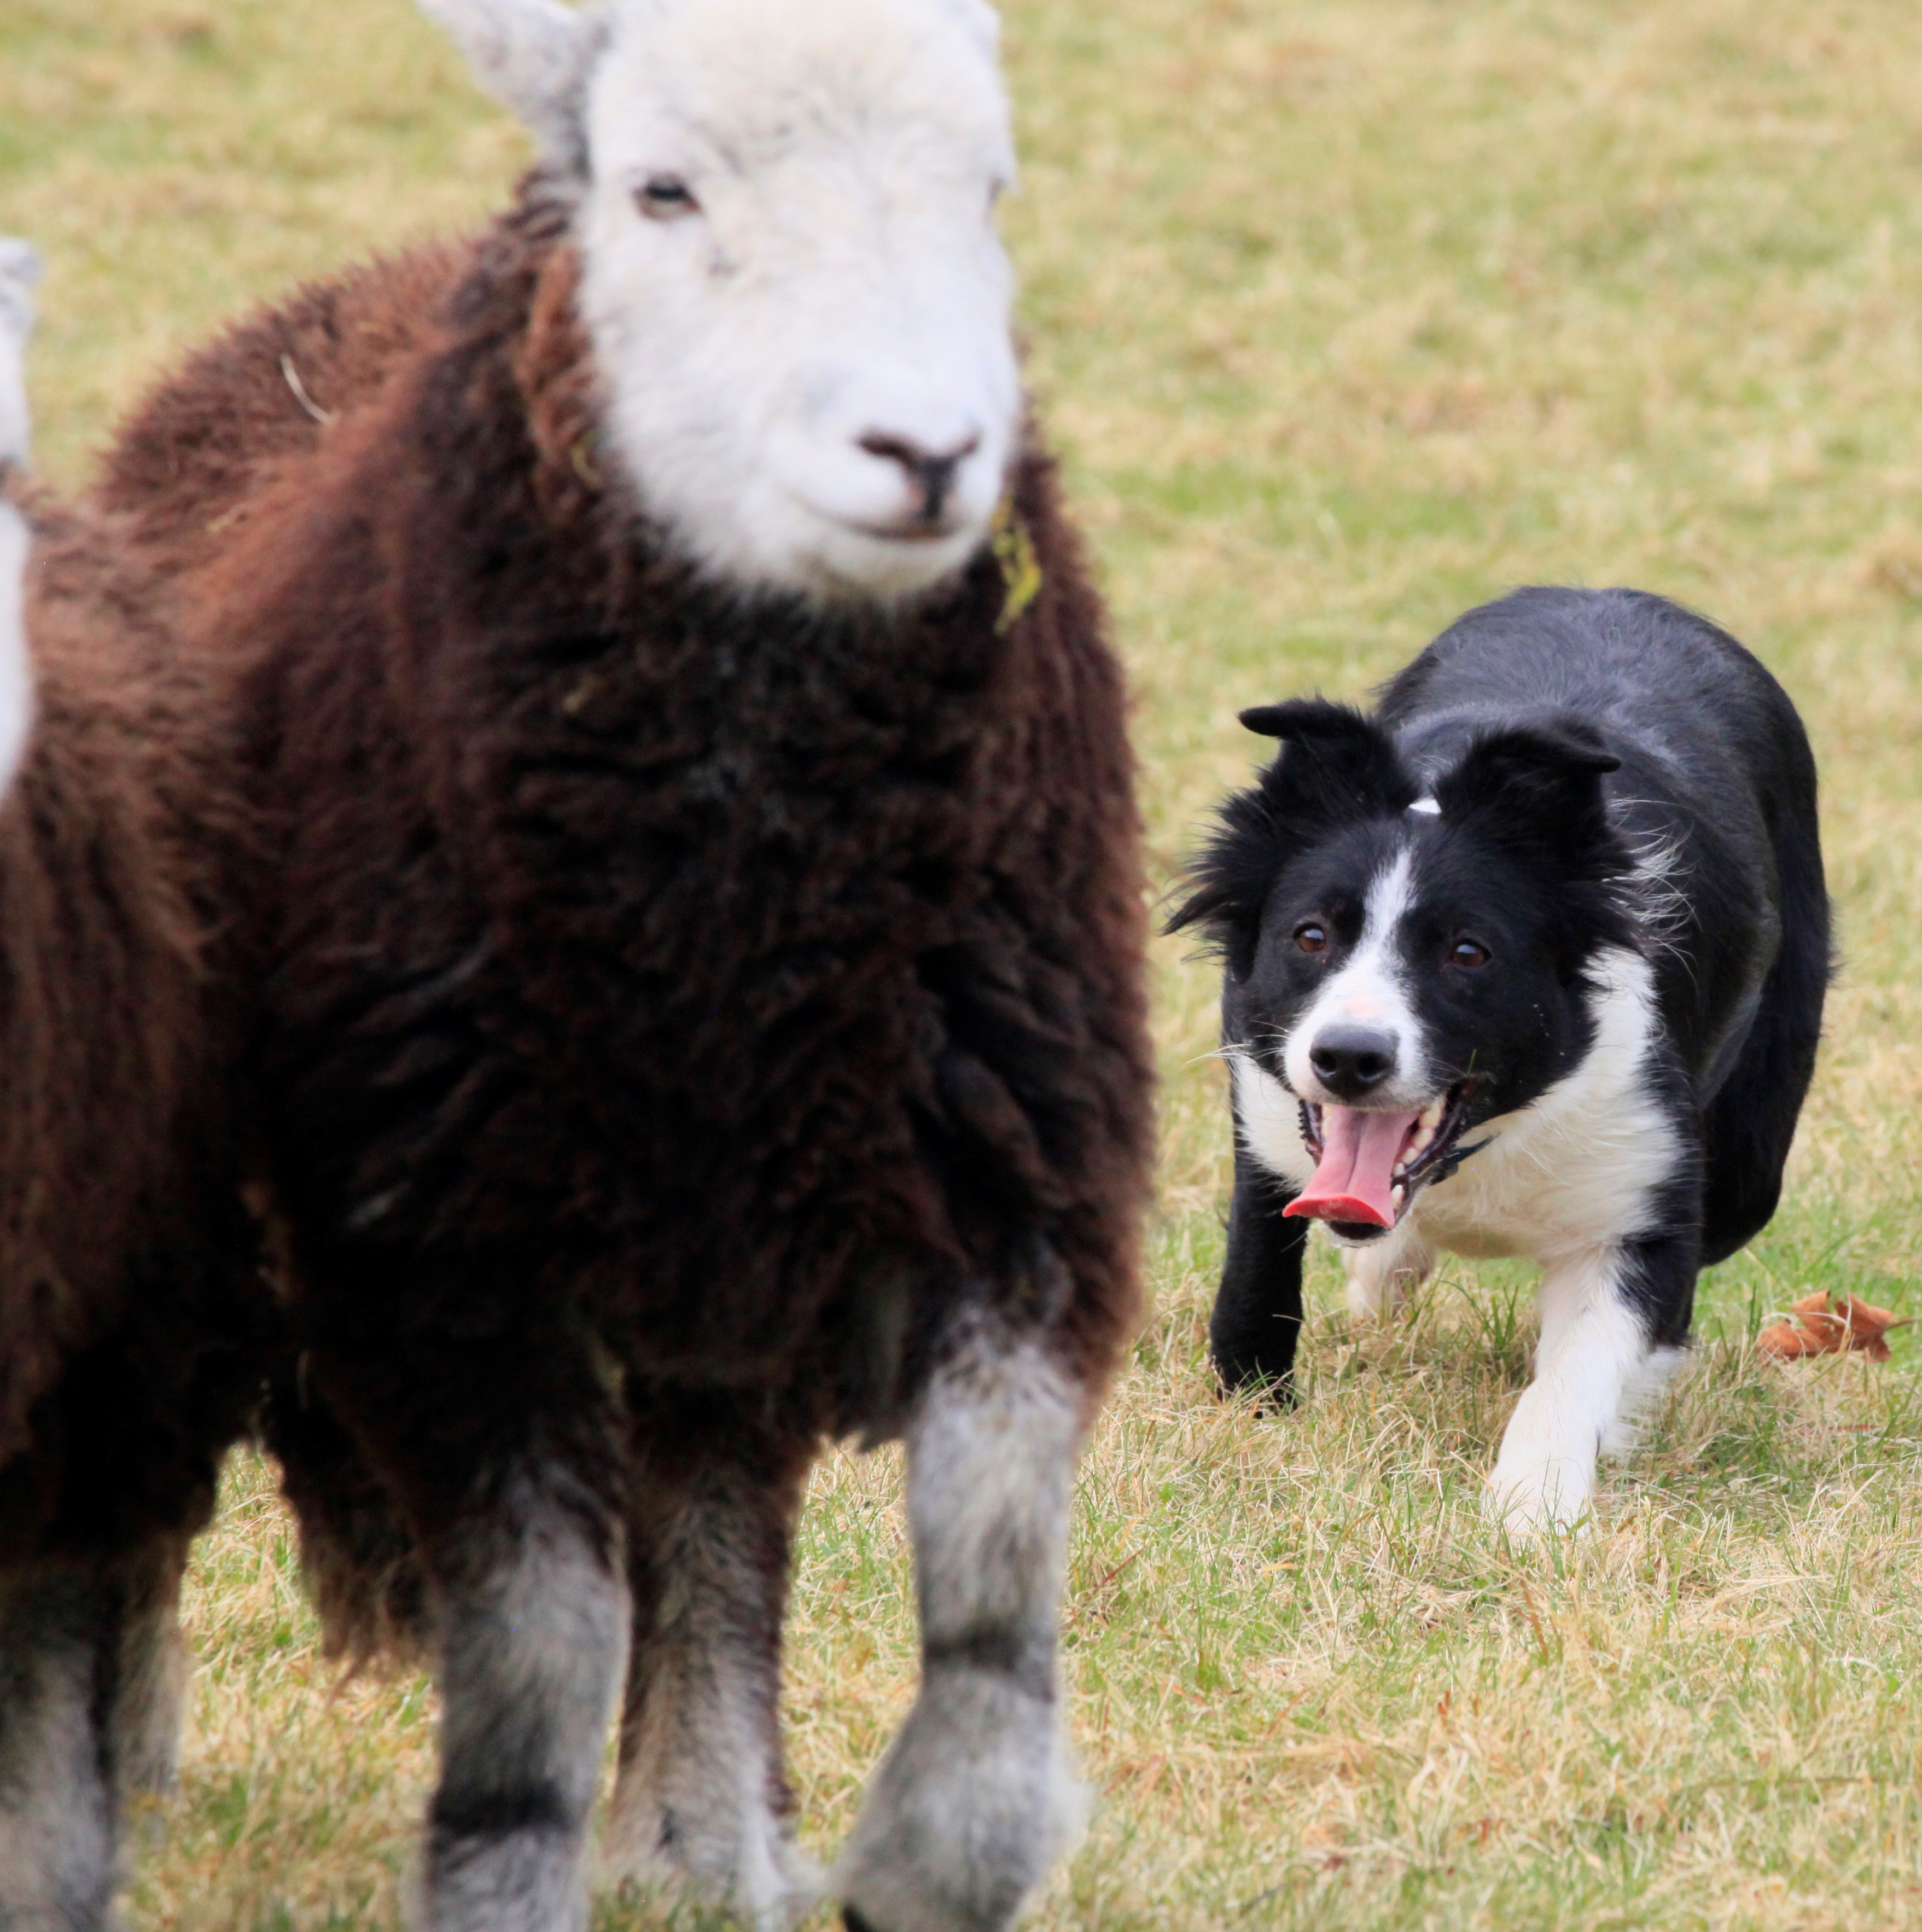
(131, 1328)
(678, 1009)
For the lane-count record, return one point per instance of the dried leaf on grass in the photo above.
(1823, 1326)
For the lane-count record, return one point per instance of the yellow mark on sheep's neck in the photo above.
(1020, 568)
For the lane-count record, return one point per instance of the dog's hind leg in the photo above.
(1749, 1125)
(974, 1799)
(1609, 1340)
(701, 1802)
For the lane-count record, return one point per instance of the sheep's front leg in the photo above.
(91, 1673)
(974, 1799)
(59, 1628)
(1602, 1311)
(701, 1804)
(534, 1622)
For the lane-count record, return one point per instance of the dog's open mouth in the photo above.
(1369, 1165)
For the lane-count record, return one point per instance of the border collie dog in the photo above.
(1530, 961)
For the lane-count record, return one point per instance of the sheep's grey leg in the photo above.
(152, 1682)
(533, 1613)
(701, 1802)
(976, 1798)
(59, 1627)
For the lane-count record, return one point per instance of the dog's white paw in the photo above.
(975, 1801)
(1527, 1499)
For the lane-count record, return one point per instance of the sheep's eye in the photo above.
(1467, 952)
(665, 198)
(1311, 937)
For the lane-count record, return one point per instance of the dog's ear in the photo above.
(1535, 793)
(1531, 779)
(1335, 763)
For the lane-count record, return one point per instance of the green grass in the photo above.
(1345, 314)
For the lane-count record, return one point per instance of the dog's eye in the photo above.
(1467, 952)
(1311, 938)
(665, 198)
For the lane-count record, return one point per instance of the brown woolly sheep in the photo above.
(702, 937)
(130, 1351)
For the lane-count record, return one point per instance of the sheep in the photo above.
(132, 1341)
(701, 928)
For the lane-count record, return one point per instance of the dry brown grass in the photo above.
(1346, 315)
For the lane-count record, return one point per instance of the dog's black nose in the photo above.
(1352, 1060)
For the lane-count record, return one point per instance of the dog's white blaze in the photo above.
(1371, 989)
(840, 279)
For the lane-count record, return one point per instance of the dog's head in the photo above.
(1410, 956)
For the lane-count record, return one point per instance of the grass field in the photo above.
(1346, 313)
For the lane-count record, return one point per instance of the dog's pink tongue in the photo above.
(1358, 1153)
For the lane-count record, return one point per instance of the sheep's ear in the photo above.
(19, 270)
(535, 57)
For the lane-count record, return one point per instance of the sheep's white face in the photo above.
(792, 279)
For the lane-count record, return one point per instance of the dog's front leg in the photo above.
(974, 1799)
(1257, 1317)
(1605, 1312)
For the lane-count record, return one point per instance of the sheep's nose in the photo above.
(1351, 1061)
(930, 471)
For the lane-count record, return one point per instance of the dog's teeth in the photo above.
(1432, 1115)
(1397, 1195)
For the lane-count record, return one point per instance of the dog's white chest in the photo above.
(1579, 1166)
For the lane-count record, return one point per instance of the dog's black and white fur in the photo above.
(1559, 902)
